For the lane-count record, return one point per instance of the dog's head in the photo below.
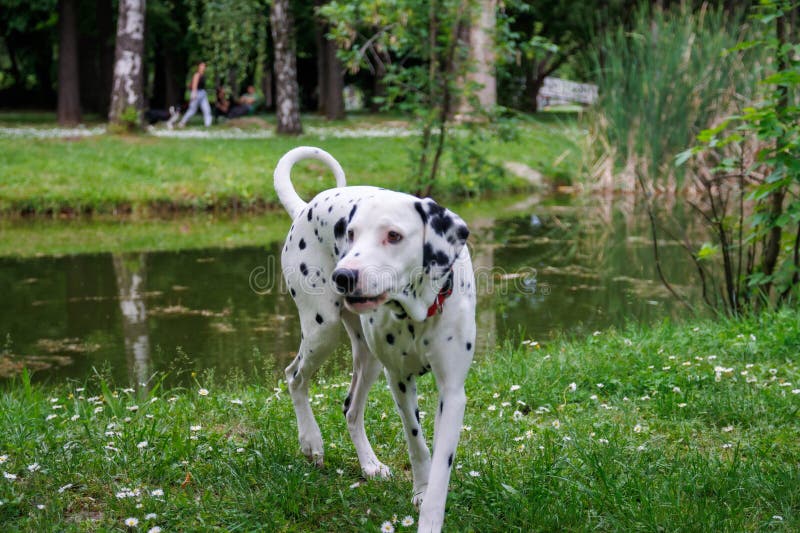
(396, 247)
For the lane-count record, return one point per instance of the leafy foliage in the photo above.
(754, 157)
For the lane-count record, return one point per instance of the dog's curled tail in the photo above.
(283, 182)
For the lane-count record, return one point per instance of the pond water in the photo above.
(546, 268)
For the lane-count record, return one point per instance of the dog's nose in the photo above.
(345, 279)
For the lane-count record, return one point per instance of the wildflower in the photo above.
(641, 448)
(777, 518)
(64, 488)
(133, 408)
(676, 389)
(10, 477)
(128, 391)
(506, 404)
(466, 428)
(154, 529)
(355, 485)
(340, 471)
(131, 522)
(593, 397)
(142, 445)
(156, 492)
(637, 428)
(126, 419)
(239, 450)
(473, 473)
(602, 441)
(496, 395)
(74, 417)
(600, 385)
(573, 387)
(407, 521)
(33, 467)
(727, 445)
(203, 392)
(795, 391)
(98, 409)
(237, 401)
(517, 415)
(197, 427)
(682, 405)
(50, 417)
(80, 389)
(40, 506)
(515, 388)
(3, 458)
(150, 516)
(492, 407)
(556, 423)
(387, 527)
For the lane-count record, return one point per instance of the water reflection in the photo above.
(546, 269)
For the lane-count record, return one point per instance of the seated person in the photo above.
(222, 105)
(246, 103)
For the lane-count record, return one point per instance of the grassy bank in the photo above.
(22, 237)
(689, 428)
(111, 174)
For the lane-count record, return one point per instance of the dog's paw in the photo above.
(313, 452)
(419, 495)
(376, 470)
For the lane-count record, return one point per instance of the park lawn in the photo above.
(143, 173)
(690, 427)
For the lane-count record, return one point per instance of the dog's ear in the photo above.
(444, 236)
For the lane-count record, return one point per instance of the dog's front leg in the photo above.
(452, 401)
(404, 391)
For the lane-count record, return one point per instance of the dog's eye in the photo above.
(394, 237)
(349, 235)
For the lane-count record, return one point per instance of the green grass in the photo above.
(107, 234)
(111, 174)
(694, 428)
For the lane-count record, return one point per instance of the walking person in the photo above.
(198, 97)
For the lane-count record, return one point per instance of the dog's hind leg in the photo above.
(319, 341)
(366, 369)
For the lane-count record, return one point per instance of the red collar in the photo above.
(438, 304)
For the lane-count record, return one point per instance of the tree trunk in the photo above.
(482, 59)
(69, 102)
(334, 82)
(322, 63)
(266, 85)
(127, 89)
(286, 88)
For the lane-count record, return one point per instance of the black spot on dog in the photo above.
(425, 342)
(411, 329)
(416, 414)
(335, 250)
(390, 338)
(319, 319)
(310, 214)
(441, 223)
(441, 406)
(302, 244)
(339, 227)
(415, 432)
(330, 208)
(294, 293)
(450, 460)
(352, 212)
(450, 338)
(347, 403)
(431, 256)
(303, 269)
(402, 387)
(422, 214)
(469, 346)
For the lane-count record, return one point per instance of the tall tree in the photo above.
(287, 91)
(482, 57)
(69, 103)
(330, 71)
(127, 91)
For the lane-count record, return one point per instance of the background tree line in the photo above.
(64, 53)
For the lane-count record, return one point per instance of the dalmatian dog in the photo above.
(395, 270)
